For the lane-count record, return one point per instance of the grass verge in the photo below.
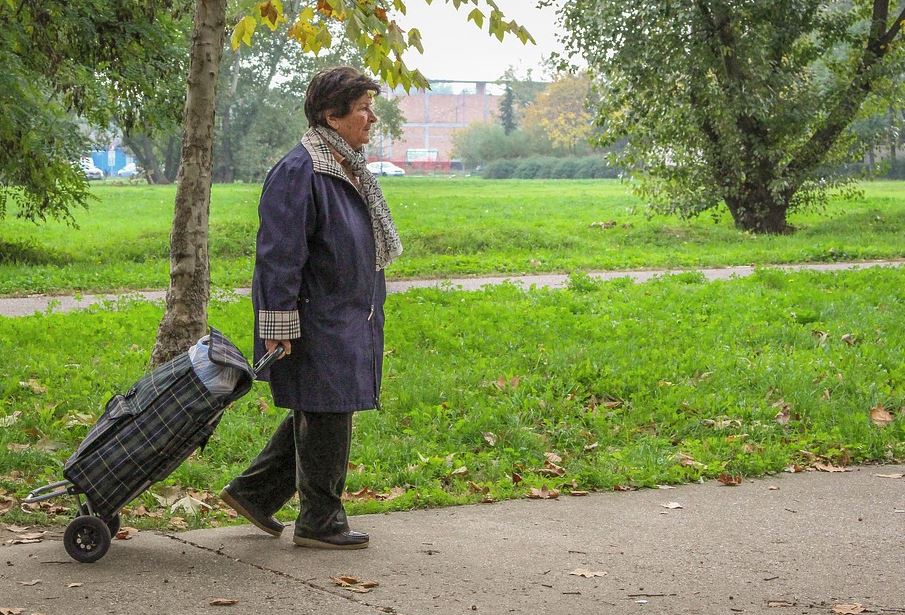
(490, 394)
(449, 227)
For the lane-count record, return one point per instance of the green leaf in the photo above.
(414, 39)
(476, 16)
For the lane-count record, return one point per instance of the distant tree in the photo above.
(740, 102)
(389, 128)
(69, 66)
(563, 113)
(507, 110)
(481, 143)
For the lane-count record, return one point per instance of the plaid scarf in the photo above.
(386, 238)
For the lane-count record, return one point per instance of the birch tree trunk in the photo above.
(185, 319)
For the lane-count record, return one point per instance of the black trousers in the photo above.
(309, 452)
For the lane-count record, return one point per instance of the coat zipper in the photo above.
(374, 341)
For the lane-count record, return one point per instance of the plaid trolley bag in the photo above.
(141, 438)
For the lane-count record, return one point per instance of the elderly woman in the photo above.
(325, 236)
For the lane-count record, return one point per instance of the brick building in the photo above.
(431, 118)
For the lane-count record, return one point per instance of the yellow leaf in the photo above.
(243, 31)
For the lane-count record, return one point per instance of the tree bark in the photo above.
(185, 319)
(143, 148)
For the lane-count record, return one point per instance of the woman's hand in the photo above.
(271, 345)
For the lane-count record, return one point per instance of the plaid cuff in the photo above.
(279, 325)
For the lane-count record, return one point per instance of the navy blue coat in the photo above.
(315, 283)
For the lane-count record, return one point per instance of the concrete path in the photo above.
(789, 544)
(24, 306)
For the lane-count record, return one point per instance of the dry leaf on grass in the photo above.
(828, 467)
(784, 414)
(687, 460)
(10, 419)
(543, 493)
(34, 386)
(849, 609)
(794, 468)
(490, 438)
(584, 572)
(551, 469)
(880, 416)
(516, 478)
(730, 480)
(190, 505)
(223, 602)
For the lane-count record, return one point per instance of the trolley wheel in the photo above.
(112, 525)
(87, 539)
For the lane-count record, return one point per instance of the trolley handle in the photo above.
(268, 359)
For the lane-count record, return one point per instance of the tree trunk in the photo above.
(185, 319)
(759, 212)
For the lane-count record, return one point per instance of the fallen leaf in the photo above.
(553, 458)
(10, 611)
(6, 504)
(460, 471)
(490, 438)
(178, 522)
(730, 480)
(584, 572)
(353, 584)
(880, 416)
(516, 478)
(780, 603)
(687, 460)
(543, 493)
(126, 533)
(17, 529)
(849, 609)
(793, 469)
(592, 446)
(671, 505)
(828, 467)
(34, 386)
(849, 339)
(80, 418)
(782, 417)
(17, 447)
(29, 583)
(167, 496)
(773, 488)
(578, 493)
(551, 469)
(476, 488)
(190, 505)
(72, 585)
(370, 584)
(664, 487)
(46, 445)
(394, 493)
(890, 475)
(223, 602)
(10, 419)
(625, 488)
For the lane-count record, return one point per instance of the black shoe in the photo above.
(268, 524)
(350, 539)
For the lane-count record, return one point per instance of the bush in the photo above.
(548, 167)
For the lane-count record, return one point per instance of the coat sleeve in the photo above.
(287, 217)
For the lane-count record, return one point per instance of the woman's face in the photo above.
(355, 126)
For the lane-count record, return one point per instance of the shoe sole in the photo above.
(313, 543)
(232, 503)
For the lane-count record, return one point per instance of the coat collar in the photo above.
(322, 157)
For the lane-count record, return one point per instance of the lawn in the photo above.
(490, 394)
(449, 226)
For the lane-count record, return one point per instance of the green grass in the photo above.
(617, 379)
(449, 227)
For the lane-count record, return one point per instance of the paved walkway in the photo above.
(23, 306)
(786, 545)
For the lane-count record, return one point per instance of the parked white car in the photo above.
(385, 168)
(128, 171)
(91, 171)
